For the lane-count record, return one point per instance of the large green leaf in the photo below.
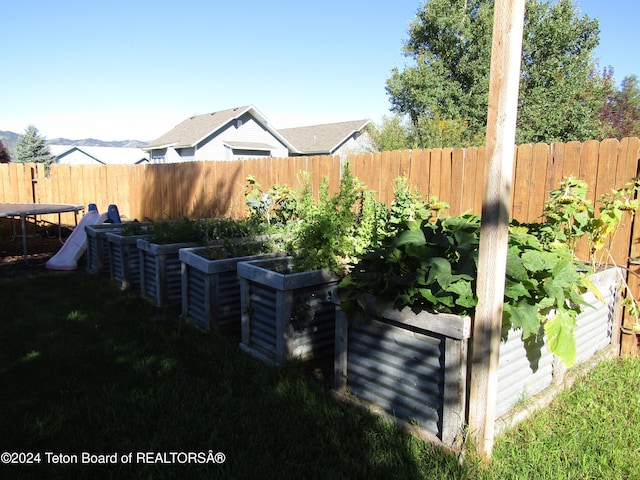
(523, 315)
(515, 290)
(537, 261)
(410, 236)
(560, 334)
(565, 273)
(439, 271)
(515, 268)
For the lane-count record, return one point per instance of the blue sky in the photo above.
(132, 70)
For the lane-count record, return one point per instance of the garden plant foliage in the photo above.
(430, 263)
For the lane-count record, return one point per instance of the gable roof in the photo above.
(195, 129)
(322, 139)
(103, 155)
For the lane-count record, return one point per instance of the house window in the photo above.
(238, 123)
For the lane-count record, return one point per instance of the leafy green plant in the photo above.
(433, 266)
(430, 263)
(336, 228)
(570, 216)
(409, 206)
(200, 231)
(278, 206)
(243, 247)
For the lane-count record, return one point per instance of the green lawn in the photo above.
(88, 369)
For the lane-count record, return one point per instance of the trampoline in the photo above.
(24, 210)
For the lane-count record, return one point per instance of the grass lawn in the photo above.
(88, 369)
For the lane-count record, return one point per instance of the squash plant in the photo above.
(431, 264)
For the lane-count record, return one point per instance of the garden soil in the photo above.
(40, 247)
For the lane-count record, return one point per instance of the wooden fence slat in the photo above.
(456, 172)
(435, 168)
(571, 165)
(521, 183)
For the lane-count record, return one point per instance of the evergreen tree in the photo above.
(31, 147)
(445, 94)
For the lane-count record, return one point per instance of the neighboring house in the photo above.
(241, 132)
(340, 138)
(244, 132)
(81, 155)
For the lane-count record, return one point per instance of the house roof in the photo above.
(195, 129)
(322, 139)
(104, 155)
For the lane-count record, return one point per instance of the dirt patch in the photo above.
(41, 246)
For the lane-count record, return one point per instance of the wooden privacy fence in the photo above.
(454, 175)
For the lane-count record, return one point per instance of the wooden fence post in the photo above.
(506, 52)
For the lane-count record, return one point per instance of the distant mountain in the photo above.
(9, 140)
(92, 142)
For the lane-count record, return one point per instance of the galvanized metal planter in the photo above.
(124, 259)
(518, 381)
(160, 271)
(211, 289)
(414, 366)
(286, 316)
(98, 259)
(98, 251)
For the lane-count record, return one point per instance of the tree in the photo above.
(391, 134)
(620, 114)
(31, 147)
(4, 155)
(450, 41)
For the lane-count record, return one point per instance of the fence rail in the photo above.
(454, 175)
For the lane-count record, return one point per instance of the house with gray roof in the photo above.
(340, 138)
(84, 155)
(232, 134)
(244, 132)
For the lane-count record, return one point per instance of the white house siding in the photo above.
(172, 156)
(249, 131)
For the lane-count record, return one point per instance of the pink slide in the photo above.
(67, 257)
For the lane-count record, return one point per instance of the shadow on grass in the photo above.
(86, 368)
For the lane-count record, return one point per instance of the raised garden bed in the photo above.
(160, 271)
(98, 252)
(286, 316)
(124, 259)
(413, 366)
(211, 288)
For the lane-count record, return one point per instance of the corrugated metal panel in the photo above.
(262, 306)
(594, 326)
(98, 257)
(173, 278)
(226, 301)
(399, 371)
(294, 320)
(125, 260)
(516, 378)
(161, 272)
(195, 301)
(148, 284)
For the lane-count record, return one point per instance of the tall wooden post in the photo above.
(506, 53)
